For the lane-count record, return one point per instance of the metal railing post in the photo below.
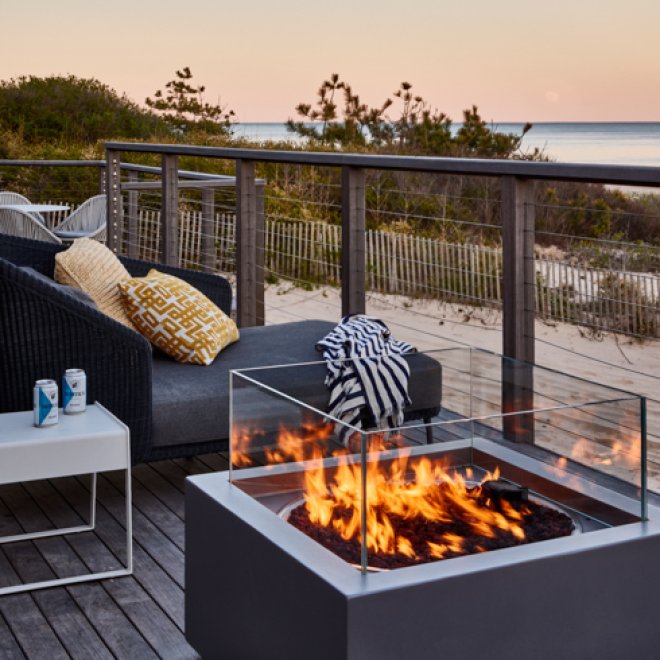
(519, 292)
(114, 199)
(133, 247)
(169, 211)
(246, 243)
(260, 254)
(208, 256)
(353, 241)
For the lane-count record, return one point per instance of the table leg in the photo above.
(128, 570)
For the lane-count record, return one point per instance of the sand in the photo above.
(616, 361)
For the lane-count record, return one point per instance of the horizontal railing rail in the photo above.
(631, 175)
(129, 167)
(5, 162)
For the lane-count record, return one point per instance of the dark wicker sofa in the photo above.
(172, 409)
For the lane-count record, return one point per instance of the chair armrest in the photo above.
(214, 287)
(44, 331)
(28, 252)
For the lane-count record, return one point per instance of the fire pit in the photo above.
(522, 504)
(441, 519)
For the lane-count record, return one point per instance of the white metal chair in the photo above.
(87, 221)
(10, 197)
(20, 223)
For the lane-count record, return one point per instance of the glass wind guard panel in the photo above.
(550, 445)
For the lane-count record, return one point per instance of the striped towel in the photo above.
(375, 379)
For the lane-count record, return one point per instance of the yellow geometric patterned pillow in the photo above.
(177, 318)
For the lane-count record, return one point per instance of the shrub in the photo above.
(70, 109)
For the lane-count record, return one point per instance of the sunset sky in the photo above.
(583, 60)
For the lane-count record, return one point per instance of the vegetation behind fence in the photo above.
(309, 253)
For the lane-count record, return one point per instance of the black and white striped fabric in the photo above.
(365, 372)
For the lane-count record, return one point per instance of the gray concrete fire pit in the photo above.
(257, 587)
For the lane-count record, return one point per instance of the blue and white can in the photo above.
(74, 391)
(45, 401)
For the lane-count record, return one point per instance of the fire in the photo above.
(309, 442)
(247, 442)
(398, 487)
(621, 455)
(614, 449)
(241, 441)
(432, 493)
(291, 444)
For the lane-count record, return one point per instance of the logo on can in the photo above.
(74, 391)
(45, 403)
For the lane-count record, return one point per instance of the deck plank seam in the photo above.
(71, 590)
(138, 521)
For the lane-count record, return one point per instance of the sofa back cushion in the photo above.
(177, 318)
(92, 267)
(73, 291)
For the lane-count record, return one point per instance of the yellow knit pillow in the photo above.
(92, 267)
(177, 318)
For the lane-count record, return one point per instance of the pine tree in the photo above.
(183, 107)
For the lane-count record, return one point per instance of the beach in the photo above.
(608, 359)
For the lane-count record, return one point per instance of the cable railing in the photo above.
(349, 246)
(497, 254)
(421, 247)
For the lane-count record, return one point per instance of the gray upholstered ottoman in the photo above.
(192, 402)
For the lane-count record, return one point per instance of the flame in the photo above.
(616, 451)
(291, 444)
(622, 453)
(299, 445)
(399, 487)
(241, 441)
(403, 488)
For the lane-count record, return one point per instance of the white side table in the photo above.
(91, 442)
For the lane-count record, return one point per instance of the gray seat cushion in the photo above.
(191, 402)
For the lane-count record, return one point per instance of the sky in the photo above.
(557, 60)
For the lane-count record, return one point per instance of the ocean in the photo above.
(617, 143)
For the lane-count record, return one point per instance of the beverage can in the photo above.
(45, 401)
(74, 391)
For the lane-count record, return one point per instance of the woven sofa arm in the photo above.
(214, 287)
(44, 331)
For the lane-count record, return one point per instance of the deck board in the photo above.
(141, 616)
(154, 510)
(148, 536)
(9, 647)
(145, 613)
(32, 630)
(111, 622)
(148, 569)
(85, 618)
(162, 489)
(70, 624)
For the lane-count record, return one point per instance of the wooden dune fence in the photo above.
(409, 265)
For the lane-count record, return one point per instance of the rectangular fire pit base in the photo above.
(258, 588)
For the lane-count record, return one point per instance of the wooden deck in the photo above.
(141, 616)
